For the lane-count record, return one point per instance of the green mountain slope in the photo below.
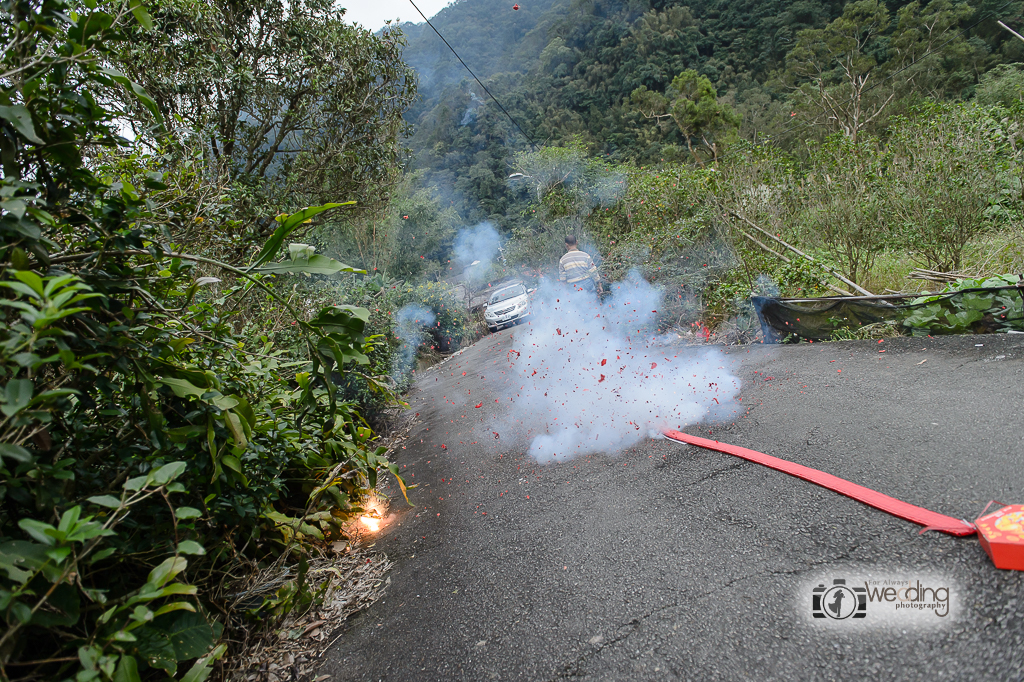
(566, 69)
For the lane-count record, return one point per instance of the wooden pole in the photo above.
(801, 253)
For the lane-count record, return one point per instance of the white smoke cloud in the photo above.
(408, 326)
(477, 243)
(595, 377)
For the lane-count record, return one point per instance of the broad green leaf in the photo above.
(234, 424)
(136, 483)
(142, 15)
(245, 411)
(233, 463)
(69, 519)
(191, 547)
(288, 225)
(225, 402)
(182, 387)
(19, 117)
(127, 669)
(176, 606)
(183, 434)
(177, 588)
(108, 501)
(154, 646)
(168, 472)
(42, 532)
(191, 635)
(204, 666)
(166, 571)
(18, 393)
(102, 554)
(58, 554)
(15, 452)
(15, 207)
(187, 513)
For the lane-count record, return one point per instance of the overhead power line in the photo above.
(503, 110)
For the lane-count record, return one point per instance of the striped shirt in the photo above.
(576, 266)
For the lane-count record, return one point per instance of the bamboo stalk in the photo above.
(801, 253)
(785, 259)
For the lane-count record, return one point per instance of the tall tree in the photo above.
(692, 104)
(835, 68)
(293, 105)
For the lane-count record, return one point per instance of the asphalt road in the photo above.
(670, 562)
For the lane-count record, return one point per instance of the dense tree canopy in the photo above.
(788, 70)
(289, 103)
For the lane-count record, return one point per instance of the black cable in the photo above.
(474, 75)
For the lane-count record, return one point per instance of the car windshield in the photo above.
(507, 293)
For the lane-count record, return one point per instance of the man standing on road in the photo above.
(577, 267)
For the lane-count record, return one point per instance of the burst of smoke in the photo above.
(474, 103)
(766, 286)
(595, 377)
(478, 244)
(408, 326)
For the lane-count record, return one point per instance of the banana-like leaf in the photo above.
(317, 265)
(287, 226)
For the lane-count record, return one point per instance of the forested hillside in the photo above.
(565, 70)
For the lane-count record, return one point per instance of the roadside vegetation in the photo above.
(187, 393)
(212, 230)
(710, 148)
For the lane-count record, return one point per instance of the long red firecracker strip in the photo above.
(929, 519)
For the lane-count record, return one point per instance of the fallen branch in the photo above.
(785, 259)
(802, 254)
(934, 275)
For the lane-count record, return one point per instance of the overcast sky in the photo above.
(373, 13)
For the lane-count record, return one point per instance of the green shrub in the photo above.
(147, 448)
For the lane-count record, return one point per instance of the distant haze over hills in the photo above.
(372, 14)
(488, 34)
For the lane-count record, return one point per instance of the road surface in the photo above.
(669, 562)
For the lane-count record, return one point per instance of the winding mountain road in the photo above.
(668, 562)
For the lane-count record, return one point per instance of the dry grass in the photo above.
(348, 582)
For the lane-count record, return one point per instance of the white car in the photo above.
(507, 306)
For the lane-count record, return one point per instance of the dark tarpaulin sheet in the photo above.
(977, 310)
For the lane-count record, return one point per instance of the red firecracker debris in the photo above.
(479, 405)
(601, 379)
(604, 362)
